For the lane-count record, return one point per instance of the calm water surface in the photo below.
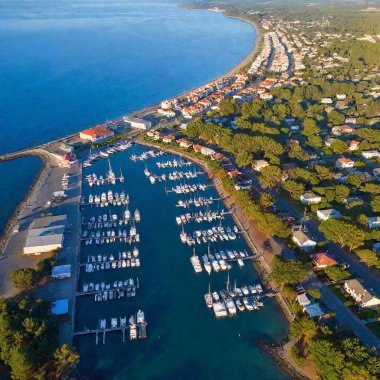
(69, 64)
(16, 178)
(185, 341)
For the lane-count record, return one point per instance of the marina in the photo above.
(166, 263)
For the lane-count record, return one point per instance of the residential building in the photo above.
(303, 241)
(368, 154)
(328, 214)
(258, 165)
(344, 163)
(168, 139)
(207, 151)
(361, 295)
(339, 130)
(322, 260)
(374, 221)
(310, 198)
(183, 143)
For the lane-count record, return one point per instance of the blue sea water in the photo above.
(16, 178)
(69, 64)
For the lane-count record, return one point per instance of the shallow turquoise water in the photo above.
(185, 341)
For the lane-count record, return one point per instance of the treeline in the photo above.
(336, 357)
(242, 145)
(267, 222)
(29, 341)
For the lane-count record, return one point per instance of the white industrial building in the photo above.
(137, 123)
(45, 235)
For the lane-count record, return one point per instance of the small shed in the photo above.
(60, 272)
(60, 307)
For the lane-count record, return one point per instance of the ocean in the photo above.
(69, 64)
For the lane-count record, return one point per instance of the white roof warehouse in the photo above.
(45, 235)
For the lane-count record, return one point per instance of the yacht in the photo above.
(231, 306)
(137, 216)
(247, 304)
(140, 317)
(220, 309)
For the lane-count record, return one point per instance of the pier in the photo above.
(102, 333)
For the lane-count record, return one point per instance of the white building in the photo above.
(59, 272)
(258, 165)
(368, 154)
(328, 214)
(310, 198)
(374, 221)
(137, 123)
(303, 241)
(45, 235)
(361, 295)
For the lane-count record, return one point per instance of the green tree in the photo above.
(375, 204)
(21, 363)
(369, 257)
(266, 200)
(243, 158)
(337, 273)
(66, 359)
(303, 325)
(310, 127)
(323, 173)
(335, 118)
(270, 176)
(338, 146)
(287, 271)
(343, 233)
(371, 188)
(295, 189)
(24, 278)
(328, 359)
(354, 180)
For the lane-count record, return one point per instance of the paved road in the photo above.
(369, 276)
(371, 279)
(344, 315)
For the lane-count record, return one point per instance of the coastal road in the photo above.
(343, 314)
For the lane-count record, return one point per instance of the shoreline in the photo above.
(13, 219)
(28, 151)
(276, 351)
(33, 151)
(243, 62)
(260, 264)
